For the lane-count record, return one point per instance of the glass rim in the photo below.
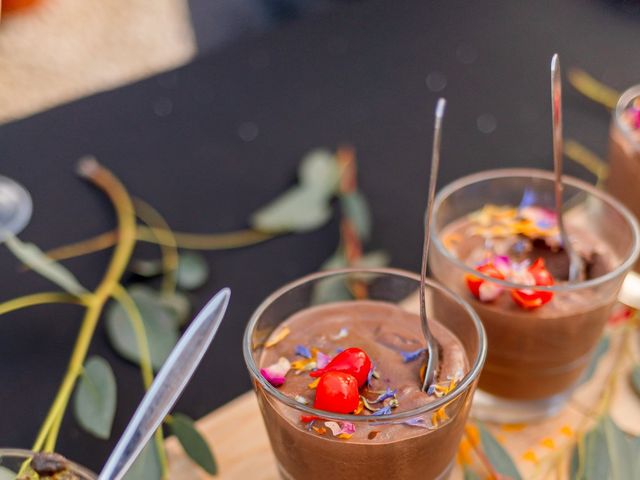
(466, 383)
(467, 180)
(624, 100)
(25, 454)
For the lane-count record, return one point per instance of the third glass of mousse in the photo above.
(624, 151)
(495, 241)
(336, 360)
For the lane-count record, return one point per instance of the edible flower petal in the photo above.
(303, 351)
(301, 399)
(275, 374)
(418, 422)
(411, 356)
(278, 337)
(322, 360)
(341, 334)
(341, 430)
(388, 393)
(314, 384)
(386, 410)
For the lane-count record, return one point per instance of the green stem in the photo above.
(123, 206)
(41, 299)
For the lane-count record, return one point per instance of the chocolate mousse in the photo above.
(539, 341)
(415, 447)
(624, 152)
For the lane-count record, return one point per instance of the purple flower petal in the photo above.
(387, 394)
(303, 351)
(322, 360)
(275, 374)
(411, 356)
(386, 410)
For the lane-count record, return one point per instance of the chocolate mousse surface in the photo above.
(533, 353)
(392, 337)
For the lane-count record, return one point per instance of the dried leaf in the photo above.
(590, 458)
(147, 466)
(30, 255)
(355, 208)
(598, 353)
(160, 322)
(193, 271)
(620, 451)
(319, 171)
(299, 209)
(634, 376)
(497, 455)
(192, 442)
(95, 398)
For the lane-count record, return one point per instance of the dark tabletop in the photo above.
(356, 74)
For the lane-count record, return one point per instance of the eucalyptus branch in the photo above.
(103, 179)
(190, 241)
(127, 303)
(41, 299)
(165, 239)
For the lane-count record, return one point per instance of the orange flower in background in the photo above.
(470, 441)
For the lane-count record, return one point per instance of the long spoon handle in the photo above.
(575, 262)
(167, 387)
(432, 350)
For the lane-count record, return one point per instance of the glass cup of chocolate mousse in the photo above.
(336, 360)
(624, 151)
(495, 242)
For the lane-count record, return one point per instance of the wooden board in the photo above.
(241, 446)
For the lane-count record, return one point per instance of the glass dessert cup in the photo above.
(536, 356)
(624, 156)
(13, 459)
(424, 453)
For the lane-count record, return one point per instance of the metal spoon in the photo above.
(167, 386)
(576, 264)
(432, 344)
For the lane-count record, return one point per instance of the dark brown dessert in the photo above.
(420, 447)
(624, 155)
(539, 341)
(48, 466)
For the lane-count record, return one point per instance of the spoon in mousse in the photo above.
(432, 345)
(576, 264)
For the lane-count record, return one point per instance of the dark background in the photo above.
(349, 72)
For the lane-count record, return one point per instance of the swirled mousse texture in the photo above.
(420, 446)
(534, 353)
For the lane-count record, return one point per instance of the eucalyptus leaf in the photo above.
(497, 455)
(470, 474)
(95, 398)
(319, 171)
(147, 466)
(6, 474)
(178, 304)
(192, 442)
(620, 451)
(590, 458)
(193, 271)
(335, 261)
(299, 209)
(160, 322)
(330, 289)
(355, 208)
(634, 376)
(146, 268)
(598, 353)
(30, 255)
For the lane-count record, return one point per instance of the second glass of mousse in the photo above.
(336, 360)
(624, 151)
(495, 241)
